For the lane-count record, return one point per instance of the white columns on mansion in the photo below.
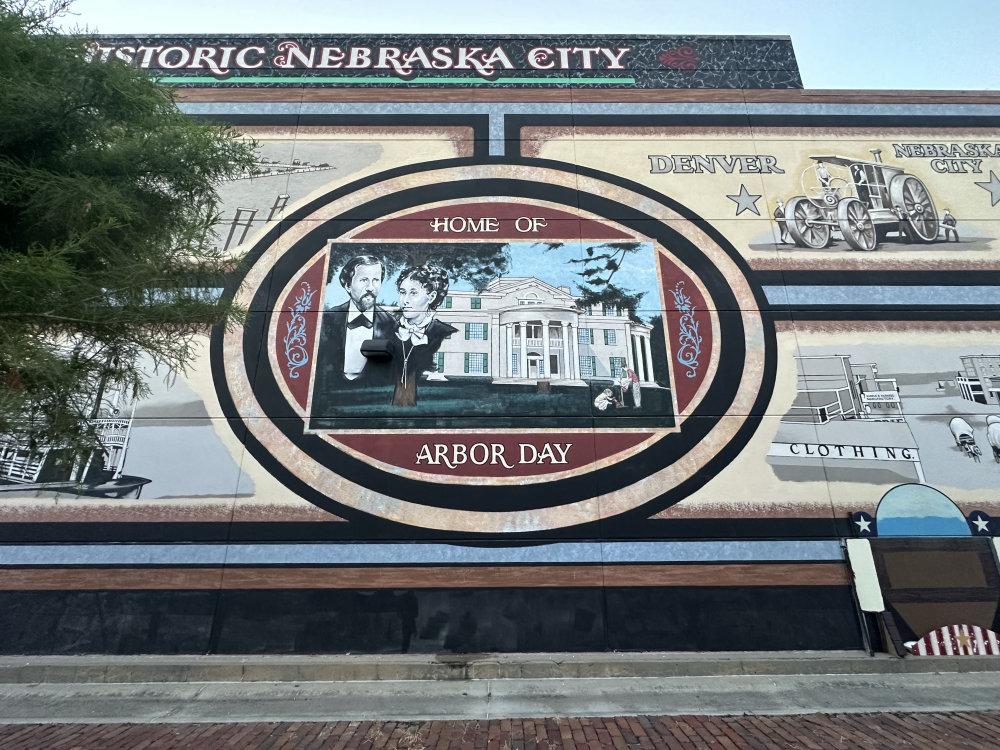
(523, 361)
(629, 360)
(646, 357)
(538, 342)
(569, 334)
(642, 354)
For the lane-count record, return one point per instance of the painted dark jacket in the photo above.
(419, 359)
(330, 355)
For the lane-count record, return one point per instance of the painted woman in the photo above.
(418, 334)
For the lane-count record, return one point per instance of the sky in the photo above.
(840, 44)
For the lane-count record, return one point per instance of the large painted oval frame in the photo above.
(713, 424)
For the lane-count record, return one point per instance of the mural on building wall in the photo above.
(528, 372)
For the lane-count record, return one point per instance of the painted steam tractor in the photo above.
(869, 201)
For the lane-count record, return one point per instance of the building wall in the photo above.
(702, 508)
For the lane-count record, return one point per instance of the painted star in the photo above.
(964, 641)
(993, 186)
(982, 524)
(864, 525)
(748, 201)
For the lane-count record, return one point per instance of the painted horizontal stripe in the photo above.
(610, 108)
(942, 99)
(462, 108)
(873, 108)
(409, 554)
(633, 552)
(306, 80)
(570, 576)
(919, 296)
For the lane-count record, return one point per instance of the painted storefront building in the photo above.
(576, 343)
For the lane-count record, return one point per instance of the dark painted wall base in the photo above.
(427, 620)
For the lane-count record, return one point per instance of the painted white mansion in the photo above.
(523, 329)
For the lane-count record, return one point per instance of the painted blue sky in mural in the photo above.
(919, 510)
(638, 272)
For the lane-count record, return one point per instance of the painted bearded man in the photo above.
(344, 328)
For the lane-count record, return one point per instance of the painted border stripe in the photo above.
(450, 107)
(871, 108)
(418, 554)
(568, 576)
(917, 296)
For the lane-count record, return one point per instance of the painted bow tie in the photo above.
(358, 321)
(416, 335)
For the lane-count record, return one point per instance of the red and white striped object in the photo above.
(958, 640)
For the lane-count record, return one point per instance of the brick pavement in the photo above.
(937, 731)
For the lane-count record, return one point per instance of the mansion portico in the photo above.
(520, 329)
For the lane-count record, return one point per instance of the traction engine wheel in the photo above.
(804, 221)
(911, 194)
(856, 224)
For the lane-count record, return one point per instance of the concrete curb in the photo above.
(325, 668)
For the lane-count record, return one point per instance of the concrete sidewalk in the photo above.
(383, 700)
(218, 689)
(338, 668)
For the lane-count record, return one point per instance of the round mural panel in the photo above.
(495, 348)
